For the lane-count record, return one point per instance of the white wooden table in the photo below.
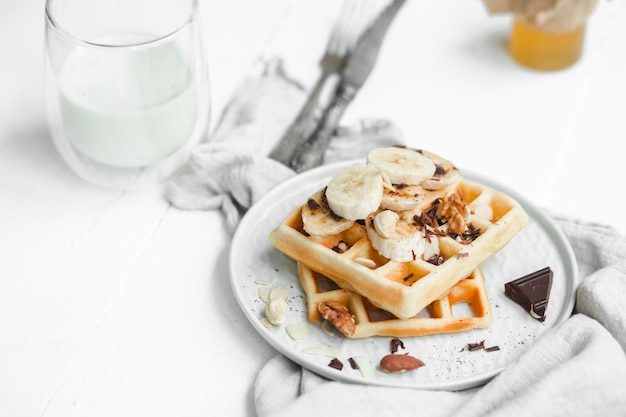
(116, 304)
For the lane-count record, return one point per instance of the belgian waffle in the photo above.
(369, 320)
(406, 288)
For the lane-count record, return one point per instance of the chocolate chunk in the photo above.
(532, 292)
(396, 343)
(476, 346)
(336, 363)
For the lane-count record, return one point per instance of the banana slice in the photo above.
(385, 223)
(400, 241)
(319, 220)
(355, 191)
(445, 173)
(402, 197)
(402, 165)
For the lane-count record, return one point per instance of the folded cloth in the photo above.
(575, 369)
(231, 171)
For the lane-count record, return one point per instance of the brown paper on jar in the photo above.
(549, 15)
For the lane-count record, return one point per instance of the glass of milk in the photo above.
(127, 87)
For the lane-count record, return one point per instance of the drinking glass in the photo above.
(126, 87)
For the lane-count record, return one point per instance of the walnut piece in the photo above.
(339, 315)
(454, 209)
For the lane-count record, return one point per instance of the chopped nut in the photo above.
(339, 315)
(279, 292)
(454, 209)
(363, 365)
(365, 262)
(327, 328)
(431, 246)
(456, 223)
(341, 247)
(400, 363)
(298, 331)
(275, 311)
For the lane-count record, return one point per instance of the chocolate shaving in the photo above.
(468, 236)
(334, 215)
(428, 218)
(336, 363)
(324, 200)
(312, 204)
(423, 220)
(481, 346)
(436, 259)
(396, 343)
(439, 171)
(408, 277)
(461, 255)
(476, 346)
(353, 363)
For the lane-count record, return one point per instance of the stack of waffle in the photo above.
(389, 246)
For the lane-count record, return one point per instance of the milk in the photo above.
(127, 107)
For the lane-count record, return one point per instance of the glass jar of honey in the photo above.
(542, 48)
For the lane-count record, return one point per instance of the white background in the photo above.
(115, 304)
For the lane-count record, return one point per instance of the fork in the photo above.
(351, 21)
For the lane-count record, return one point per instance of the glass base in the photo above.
(125, 178)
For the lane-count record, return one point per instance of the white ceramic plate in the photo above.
(255, 266)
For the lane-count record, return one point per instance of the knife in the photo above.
(356, 71)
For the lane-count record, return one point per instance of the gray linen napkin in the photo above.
(575, 369)
(231, 170)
